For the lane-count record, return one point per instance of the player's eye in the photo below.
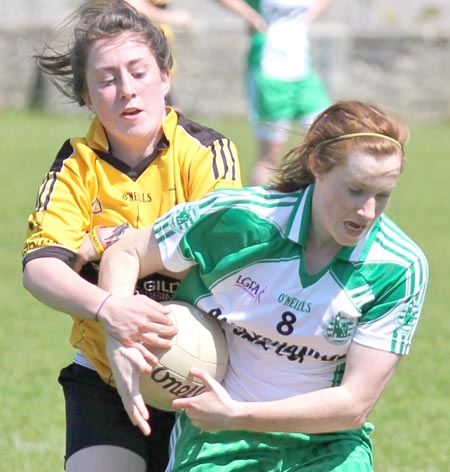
(384, 195)
(139, 74)
(356, 192)
(106, 81)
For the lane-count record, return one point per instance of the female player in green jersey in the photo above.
(138, 159)
(318, 291)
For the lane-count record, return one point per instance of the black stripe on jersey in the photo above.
(226, 156)
(42, 205)
(65, 152)
(223, 155)
(230, 154)
(206, 136)
(216, 171)
(51, 178)
(211, 138)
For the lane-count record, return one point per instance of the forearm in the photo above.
(317, 9)
(119, 271)
(132, 257)
(245, 11)
(367, 373)
(333, 409)
(54, 283)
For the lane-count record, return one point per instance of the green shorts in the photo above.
(193, 450)
(271, 99)
(274, 100)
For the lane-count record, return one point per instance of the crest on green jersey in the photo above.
(183, 218)
(407, 317)
(339, 329)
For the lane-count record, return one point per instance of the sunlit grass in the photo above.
(412, 419)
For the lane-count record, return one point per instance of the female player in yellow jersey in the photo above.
(138, 159)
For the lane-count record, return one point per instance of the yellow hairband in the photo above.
(355, 135)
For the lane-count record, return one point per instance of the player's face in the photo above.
(126, 90)
(349, 199)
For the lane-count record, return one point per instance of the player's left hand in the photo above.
(86, 253)
(107, 235)
(213, 409)
(127, 365)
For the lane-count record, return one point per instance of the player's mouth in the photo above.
(131, 112)
(355, 229)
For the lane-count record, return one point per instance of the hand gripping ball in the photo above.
(199, 342)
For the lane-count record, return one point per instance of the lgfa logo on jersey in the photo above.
(339, 329)
(182, 219)
(251, 287)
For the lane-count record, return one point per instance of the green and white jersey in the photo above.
(281, 81)
(284, 53)
(288, 331)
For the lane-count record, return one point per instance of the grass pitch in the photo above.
(412, 418)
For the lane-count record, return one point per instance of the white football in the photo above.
(199, 342)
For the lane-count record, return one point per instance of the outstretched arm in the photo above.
(122, 264)
(347, 406)
(54, 283)
(244, 10)
(133, 257)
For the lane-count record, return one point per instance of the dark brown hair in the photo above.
(90, 22)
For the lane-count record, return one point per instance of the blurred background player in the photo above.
(281, 83)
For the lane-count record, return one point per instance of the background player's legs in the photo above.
(271, 137)
(268, 157)
(105, 459)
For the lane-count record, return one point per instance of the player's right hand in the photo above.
(138, 321)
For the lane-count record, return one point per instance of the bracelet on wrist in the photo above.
(97, 313)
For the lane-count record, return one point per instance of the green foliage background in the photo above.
(412, 418)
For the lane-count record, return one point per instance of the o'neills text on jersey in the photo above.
(294, 303)
(137, 197)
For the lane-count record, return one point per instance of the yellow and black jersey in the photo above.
(87, 186)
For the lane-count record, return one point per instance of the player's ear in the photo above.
(315, 167)
(166, 82)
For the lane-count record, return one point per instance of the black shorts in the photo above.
(95, 416)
